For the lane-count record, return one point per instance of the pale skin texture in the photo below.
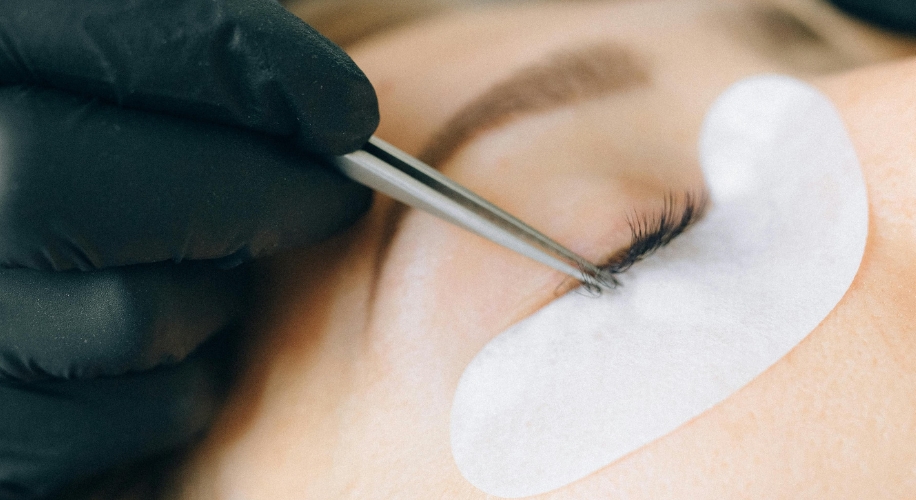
(348, 385)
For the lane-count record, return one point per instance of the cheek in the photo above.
(440, 284)
(443, 282)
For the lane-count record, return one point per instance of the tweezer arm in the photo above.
(384, 168)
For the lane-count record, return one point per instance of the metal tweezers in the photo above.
(383, 167)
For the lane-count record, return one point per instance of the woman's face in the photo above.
(350, 378)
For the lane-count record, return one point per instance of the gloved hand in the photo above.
(147, 147)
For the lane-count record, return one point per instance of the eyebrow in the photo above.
(565, 78)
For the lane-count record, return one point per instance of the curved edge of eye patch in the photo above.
(731, 124)
(585, 381)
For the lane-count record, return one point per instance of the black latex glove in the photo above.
(147, 147)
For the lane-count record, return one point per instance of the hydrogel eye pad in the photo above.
(586, 380)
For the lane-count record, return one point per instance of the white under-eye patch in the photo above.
(585, 380)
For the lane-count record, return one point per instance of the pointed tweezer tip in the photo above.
(596, 280)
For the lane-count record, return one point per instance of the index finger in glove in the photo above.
(88, 185)
(247, 63)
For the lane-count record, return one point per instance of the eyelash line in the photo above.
(654, 230)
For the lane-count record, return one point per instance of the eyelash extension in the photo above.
(653, 231)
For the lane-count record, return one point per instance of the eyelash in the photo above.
(654, 230)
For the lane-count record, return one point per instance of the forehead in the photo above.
(426, 72)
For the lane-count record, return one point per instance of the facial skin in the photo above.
(351, 368)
